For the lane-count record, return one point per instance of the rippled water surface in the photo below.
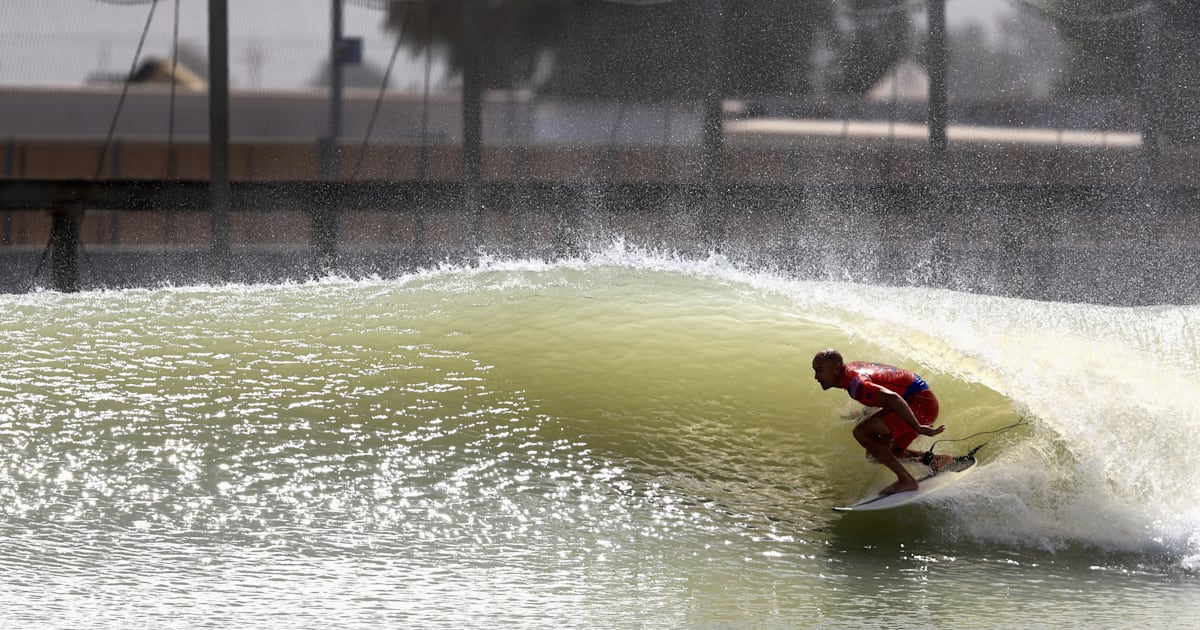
(625, 440)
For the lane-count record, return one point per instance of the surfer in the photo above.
(908, 409)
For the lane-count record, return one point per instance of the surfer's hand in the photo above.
(924, 430)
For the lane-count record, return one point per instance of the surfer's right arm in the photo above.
(896, 403)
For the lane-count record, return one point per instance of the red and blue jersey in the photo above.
(865, 380)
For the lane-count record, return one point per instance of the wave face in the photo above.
(622, 438)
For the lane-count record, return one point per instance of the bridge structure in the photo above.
(408, 179)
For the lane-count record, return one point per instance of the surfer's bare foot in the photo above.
(904, 485)
(939, 461)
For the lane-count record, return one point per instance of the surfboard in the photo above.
(927, 485)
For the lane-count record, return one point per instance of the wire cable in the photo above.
(929, 452)
(387, 75)
(112, 128)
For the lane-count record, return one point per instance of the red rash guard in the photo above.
(865, 380)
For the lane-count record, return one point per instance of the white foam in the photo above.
(1113, 394)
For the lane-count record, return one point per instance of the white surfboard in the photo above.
(928, 485)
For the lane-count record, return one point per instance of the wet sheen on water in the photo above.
(622, 440)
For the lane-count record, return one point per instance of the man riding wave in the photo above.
(908, 409)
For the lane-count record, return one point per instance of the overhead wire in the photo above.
(112, 128)
(387, 74)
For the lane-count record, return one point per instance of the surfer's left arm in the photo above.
(895, 402)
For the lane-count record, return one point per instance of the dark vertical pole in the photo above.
(325, 213)
(472, 113)
(938, 102)
(336, 57)
(8, 170)
(218, 122)
(64, 241)
(713, 121)
(939, 196)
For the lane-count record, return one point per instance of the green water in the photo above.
(621, 440)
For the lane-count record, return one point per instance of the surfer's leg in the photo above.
(873, 434)
(917, 456)
(924, 406)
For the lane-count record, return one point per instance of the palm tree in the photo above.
(653, 49)
(1120, 47)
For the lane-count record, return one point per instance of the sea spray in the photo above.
(621, 438)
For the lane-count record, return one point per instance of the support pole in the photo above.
(218, 122)
(8, 171)
(333, 159)
(713, 122)
(64, 243)
(325, 213)
(938, 102)
(472, 113)
(939, 196)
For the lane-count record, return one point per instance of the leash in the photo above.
(927, 458)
